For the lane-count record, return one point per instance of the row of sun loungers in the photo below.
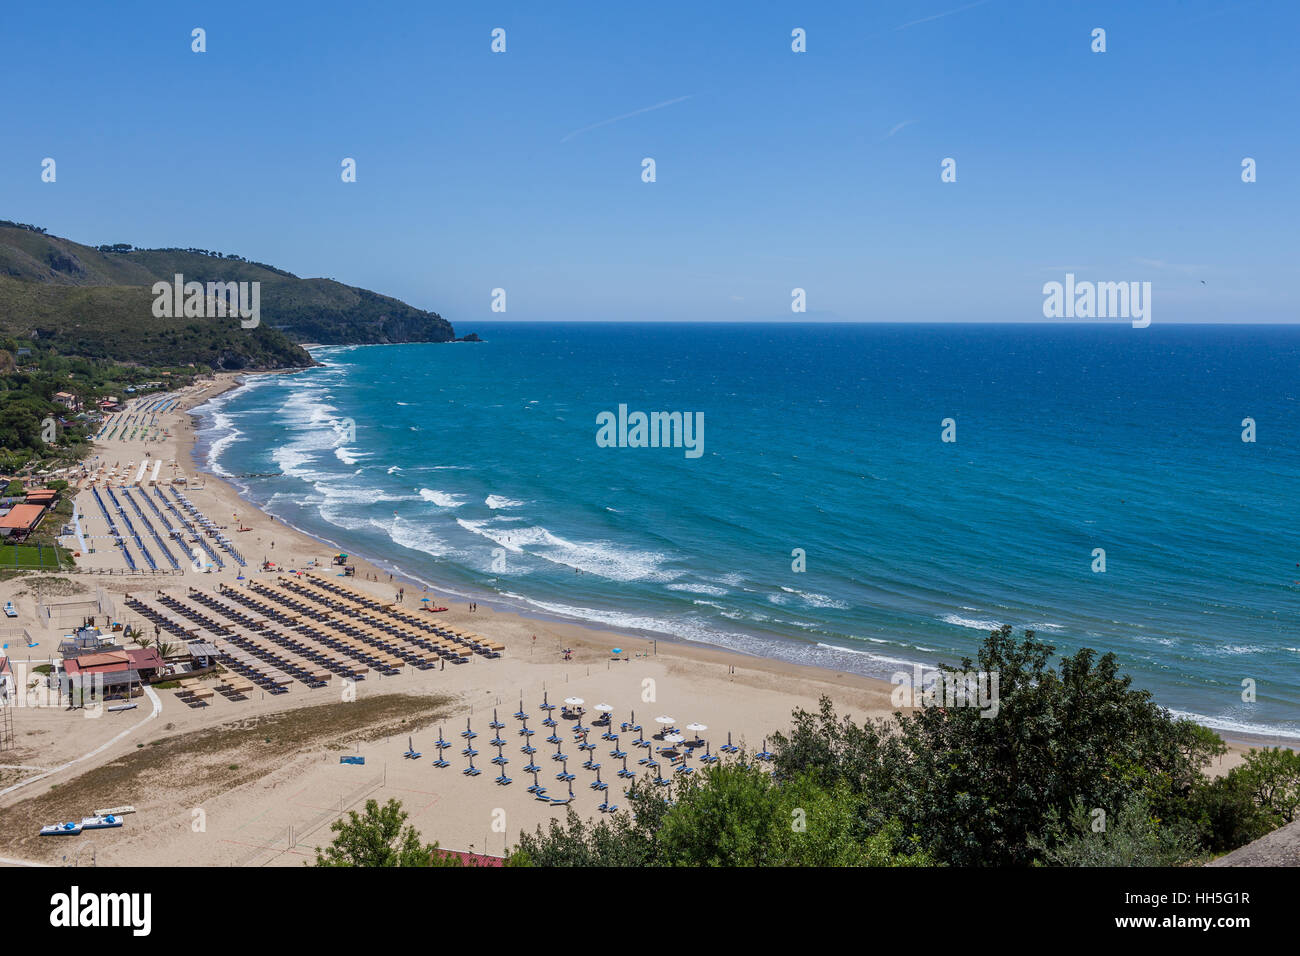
(271, 634)
(360, 601)
(193, 532)
(209, 527)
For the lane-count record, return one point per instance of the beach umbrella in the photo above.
(616, 650)
(573, 701)
(696, 728)
(665, 720)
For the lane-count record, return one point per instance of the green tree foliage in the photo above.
(1225, 814)
(1130, 836)
(1272, 777)
(973, 789)
(730, 814)
(380, 838)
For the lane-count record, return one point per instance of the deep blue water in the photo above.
(827, 438)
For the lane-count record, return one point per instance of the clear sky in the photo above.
(775, 169)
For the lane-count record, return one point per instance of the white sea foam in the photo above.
(500, 501)
(813, 599)
(696, 588)
(416, 537)
(601, 558)
(442, 499)
(970, 622)
(349, 456)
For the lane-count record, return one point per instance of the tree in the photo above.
(1272, 776)
(380, 838)
(728, 814)
(971, 788)
(1225, 814)
(1131, 836)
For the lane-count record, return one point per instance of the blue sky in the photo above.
(775, 170)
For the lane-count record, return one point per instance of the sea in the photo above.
(862, 497)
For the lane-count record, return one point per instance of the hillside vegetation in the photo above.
(97, 301)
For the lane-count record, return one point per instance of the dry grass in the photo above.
(214, 760)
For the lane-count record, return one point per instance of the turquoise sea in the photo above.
(475, 468)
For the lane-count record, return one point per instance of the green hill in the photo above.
(97, 302)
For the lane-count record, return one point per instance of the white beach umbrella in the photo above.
(604, 708)
(697, 727)
(573, 701)
(674, 738)
(665, 720)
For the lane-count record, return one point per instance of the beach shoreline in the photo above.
(266, 771)
(589, 636)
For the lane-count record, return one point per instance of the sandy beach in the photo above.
(257, 782)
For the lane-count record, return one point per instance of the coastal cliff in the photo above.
(96, 302)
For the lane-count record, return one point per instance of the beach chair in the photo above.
(536, 788)
(471, 770)
(607, 807)
(520, 714)
(729, 747)
(564, 774)
(411, 753)
(625, 773)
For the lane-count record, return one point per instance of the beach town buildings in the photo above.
(17, 521)
(118, 671)
(68, 400)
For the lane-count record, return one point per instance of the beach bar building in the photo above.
(121, 672)
(21, 520)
